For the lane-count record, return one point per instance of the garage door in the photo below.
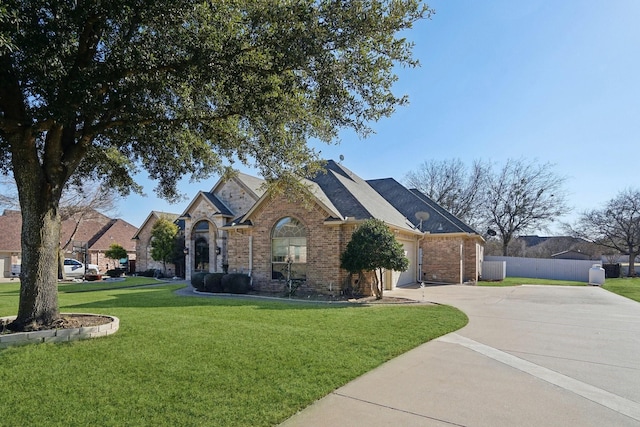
(406, 277)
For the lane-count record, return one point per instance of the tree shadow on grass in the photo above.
(167, 296)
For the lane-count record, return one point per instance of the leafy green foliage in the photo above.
(116, 251)
(213, 282)
(97, 90)
(374, 247)
(179, 86)
(236, 283)
(163, 235)
(197, 280)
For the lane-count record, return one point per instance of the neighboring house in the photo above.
(120, 232)
(142, 237)
(89, 235)
(238, 227)
(10, 249)
(549, 247)
(572, 254)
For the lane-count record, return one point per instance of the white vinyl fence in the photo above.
(542, 268)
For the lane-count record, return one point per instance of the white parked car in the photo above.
(74, 269)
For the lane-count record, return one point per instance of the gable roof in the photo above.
(345, 196)
(252, 184)
(98, 231)
(84, 227)
(10, 228)
(117, 231)
(219, 207)
(156, 215)
(412, 203)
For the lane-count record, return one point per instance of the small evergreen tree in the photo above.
(374, 248)
(163, 235)
(116, 253)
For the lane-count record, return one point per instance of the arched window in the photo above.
(201, 246)
(289, 250)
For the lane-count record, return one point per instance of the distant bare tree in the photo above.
(85, 202)
(521, 197)
(616, 226)
(452, 185)
(8, 193)
(80, 203)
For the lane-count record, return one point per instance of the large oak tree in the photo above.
(101, 89)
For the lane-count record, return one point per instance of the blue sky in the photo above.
(545, 80)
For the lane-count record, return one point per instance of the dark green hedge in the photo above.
(213, 282)
(236, 283)
(197, 281)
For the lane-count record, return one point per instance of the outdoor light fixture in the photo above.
(186, 251)
(218, 250)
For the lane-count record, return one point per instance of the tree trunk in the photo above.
(632, 264)
(39, 188)
(379, 284)
(38, 304)
(505, 248)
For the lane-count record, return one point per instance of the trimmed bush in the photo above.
(115, 272)
(150, 273)
(213, 282)
(197, 281)
(236, 283)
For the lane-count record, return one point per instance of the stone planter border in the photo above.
(60, 335)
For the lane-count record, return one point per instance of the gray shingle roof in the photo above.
(220, 206)
(353, 197)
(412, 202)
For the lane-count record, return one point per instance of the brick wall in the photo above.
(144, 261)
(235, 197)
(324, 245)
(441, 256)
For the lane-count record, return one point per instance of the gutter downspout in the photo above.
(420, 256)
(251, 260)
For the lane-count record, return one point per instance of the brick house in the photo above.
(238, 227)
(92, 233)
(142, 237)
(10, 248)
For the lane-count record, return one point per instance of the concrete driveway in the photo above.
(530, 356)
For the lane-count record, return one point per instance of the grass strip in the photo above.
(626, 286)
(517, 281)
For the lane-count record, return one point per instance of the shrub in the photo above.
(150, 273)
(115, 272)
(236, 283)
(197, 281)
(213, 282)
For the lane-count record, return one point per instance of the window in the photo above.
(289, 250)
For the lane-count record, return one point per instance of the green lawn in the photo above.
(627, 287)
(107, 284)
(517, 281)
(202, 361)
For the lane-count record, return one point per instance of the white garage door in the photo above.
(406, 277)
